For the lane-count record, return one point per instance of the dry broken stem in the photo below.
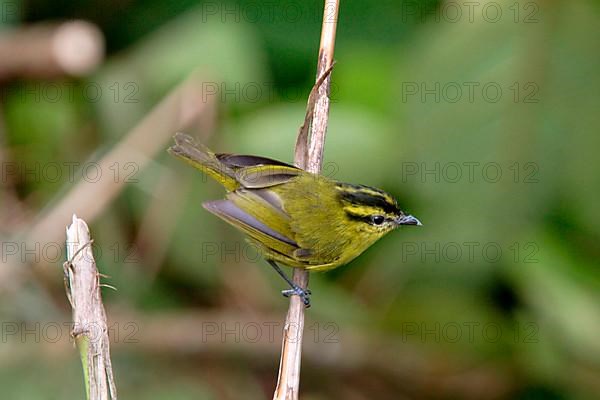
(82, 284)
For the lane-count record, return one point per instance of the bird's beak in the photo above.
(408, 220)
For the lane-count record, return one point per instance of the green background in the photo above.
(483, 125)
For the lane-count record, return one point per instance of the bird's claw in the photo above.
(298, 291)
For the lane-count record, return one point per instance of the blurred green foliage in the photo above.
(401, 118)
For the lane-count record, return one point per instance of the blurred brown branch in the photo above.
(309, 156)
(177, 111)
(255, 339)
(50, 50)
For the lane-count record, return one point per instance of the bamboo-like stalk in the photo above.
(90, 330)
(309, 156)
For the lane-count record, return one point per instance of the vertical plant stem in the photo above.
(309, 156)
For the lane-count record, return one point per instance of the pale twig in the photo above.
(90, 330)
(309, 156)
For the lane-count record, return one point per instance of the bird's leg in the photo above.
(295, 289)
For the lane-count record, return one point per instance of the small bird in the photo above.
(296, 218)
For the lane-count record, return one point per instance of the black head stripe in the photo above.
(368, 196)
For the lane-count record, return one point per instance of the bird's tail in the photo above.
(200, 157)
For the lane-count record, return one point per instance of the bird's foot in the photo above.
(298, 291)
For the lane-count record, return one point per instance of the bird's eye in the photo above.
(377, 219)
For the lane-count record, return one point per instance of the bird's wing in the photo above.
(265, 206)
(264, 176)
(258, 172)
(242, 161)
(255, 215)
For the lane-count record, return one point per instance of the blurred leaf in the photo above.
(354, 137)
(228, 56)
